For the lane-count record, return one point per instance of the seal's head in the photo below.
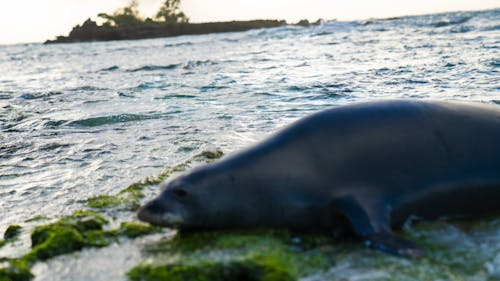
(203, 198)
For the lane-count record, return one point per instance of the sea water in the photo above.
(84, 119)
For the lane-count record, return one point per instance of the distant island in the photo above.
(127, 24)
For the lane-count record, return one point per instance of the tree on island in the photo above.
(170, 13)
(128, 15)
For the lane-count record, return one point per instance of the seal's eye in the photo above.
(179, 192)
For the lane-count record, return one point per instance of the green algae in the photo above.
(82, 229)
(455, 251)
(249, 270)
(16, 270)
(67, 235)
(84, 220)
(99, 238)
(136, 229)
(111, 201)
(54, 240)
(12, 232)
(271, 246)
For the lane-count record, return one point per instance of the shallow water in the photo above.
(79, 120)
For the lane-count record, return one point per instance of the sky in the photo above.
(23, 21)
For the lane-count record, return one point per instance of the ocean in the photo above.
(85, 119)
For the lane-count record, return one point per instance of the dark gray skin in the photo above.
(364, 168)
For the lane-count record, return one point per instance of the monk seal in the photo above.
(364, 168)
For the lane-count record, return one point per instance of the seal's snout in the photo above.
(151, 212)
(155, 212)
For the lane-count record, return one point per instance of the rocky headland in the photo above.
(91, 31)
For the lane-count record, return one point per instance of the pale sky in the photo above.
(38, 20)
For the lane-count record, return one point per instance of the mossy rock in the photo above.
(52, 240)
(67, 235)
(84, 220)
(111, 201)
(16, 270)
(136, 229)
(99, 238)
(12, 232)
(244, 270)
(261, 245)
(82, 229)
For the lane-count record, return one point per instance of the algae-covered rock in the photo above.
(53, 240)
(136, 229)
(85, 220)
(82, 229)
(248, 270)
(12, 232)
(267, 247)
(66, 235)
(99, 238)
(16, 270)
(111, 201)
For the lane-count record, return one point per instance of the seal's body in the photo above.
(364, 168)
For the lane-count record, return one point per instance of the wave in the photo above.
(462, 29)
(324, 88)
(210, 88)
(114, 119)
(5, 96)
(154, 68)
(187, 66)
(111, 68)
(193, 64)
(107, 120)
(230, 40)
(494, 63)
(331, 27)
(175, 96)
(33, 96)
(491, 28)
(178, 44)
(450, 22)
(87, 88)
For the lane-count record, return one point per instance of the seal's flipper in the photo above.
(365, 219)
(386, 242)
(371, 223)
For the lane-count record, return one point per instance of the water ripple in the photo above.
(154, 68)
(113, 119)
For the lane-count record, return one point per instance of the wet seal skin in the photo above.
(363, 169)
